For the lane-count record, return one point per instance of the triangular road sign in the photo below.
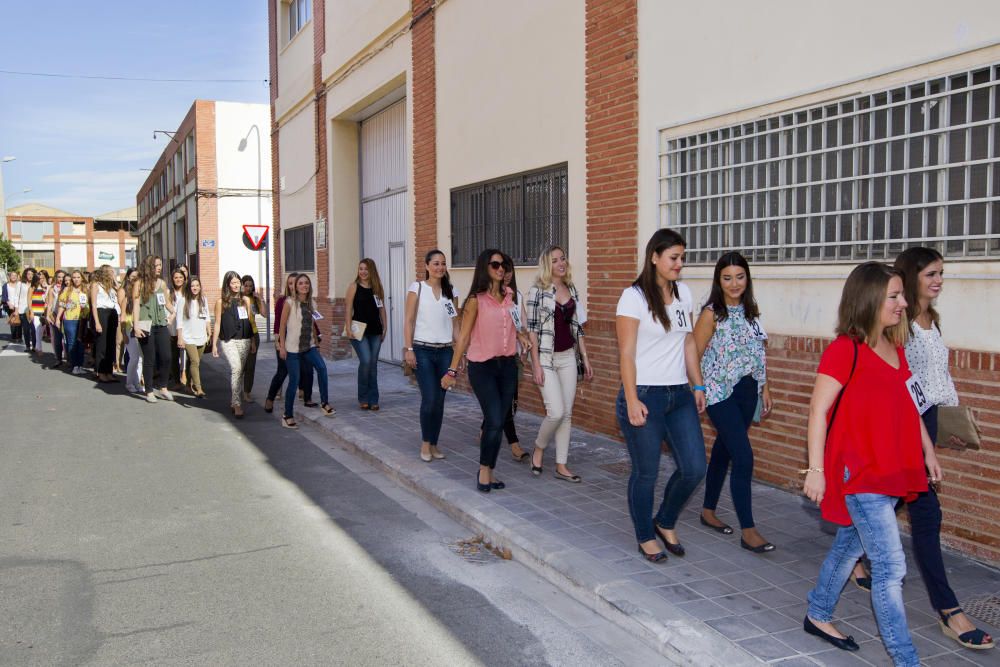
(255, 234)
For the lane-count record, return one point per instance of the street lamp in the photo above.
(19, 194)
(262, 257)
(3, 204)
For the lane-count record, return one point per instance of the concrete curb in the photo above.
(635, 608)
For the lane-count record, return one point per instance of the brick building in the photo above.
(204, 188)
(49, 238)
(411, 124)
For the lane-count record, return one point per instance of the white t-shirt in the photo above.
(434, 316)
(659, 355)
(194, 328)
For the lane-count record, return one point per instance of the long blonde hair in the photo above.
(544, 278)
(105, 277)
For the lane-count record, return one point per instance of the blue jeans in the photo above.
(432, 364)
(305, 378)
(314, 360)
(74, 347)
(873, 531)
(494, 382)
(672, 417)
(732, 418)
(367, 350)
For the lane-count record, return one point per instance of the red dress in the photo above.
(875, 440)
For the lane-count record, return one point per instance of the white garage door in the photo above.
(383, 212)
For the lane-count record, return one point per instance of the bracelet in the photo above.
(409, 349)
(699, 387)
(452, 372)
(805, 471)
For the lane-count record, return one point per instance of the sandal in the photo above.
(310, 404)
(289, 422)
(328, 410)
(974, 639)
(268, 405)
(363, 406)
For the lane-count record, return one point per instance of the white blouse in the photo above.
(927, 357)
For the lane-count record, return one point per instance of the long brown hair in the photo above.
(717, 298)
(290, 291)
(373, 278)
(911, 262)
(228, 294)
(254, 299)
(646, 280)
(309, 295)
(189, 296)
(105, 277)
(148, 277)
(861, 301)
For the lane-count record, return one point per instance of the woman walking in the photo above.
(150, 311)
(15, 294)
(658, 359)
(28, 284)
(558, 353)
(105, 311)
(72, 309)
(233, 334)
(429, 335)
(256, 308)
(133, 353)
(282, 370)
(491, 335)
(365, 304)
(39, 294)
(51, 309)
(297, 338)
(864, 438)
(178, 282)
(193, 325)
(730, 341)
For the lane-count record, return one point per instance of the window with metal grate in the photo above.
(521, 215)
(299, 249)
(852, 179)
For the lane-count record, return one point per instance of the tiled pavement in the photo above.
(719, 604)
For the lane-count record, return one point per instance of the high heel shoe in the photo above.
(675, 549)
(843, 643)
(658, 557)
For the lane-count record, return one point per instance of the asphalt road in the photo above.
(170, 534)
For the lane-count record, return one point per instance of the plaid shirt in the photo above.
(541, 307)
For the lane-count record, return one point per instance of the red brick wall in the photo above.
(424, 132)
(206, 179)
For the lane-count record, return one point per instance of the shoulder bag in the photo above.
(957, 428)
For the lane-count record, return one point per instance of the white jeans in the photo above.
(36, 322)
(133, 372)
(558, 393)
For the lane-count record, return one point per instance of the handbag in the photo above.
(358, 329)
(957, 428)
(14, 320)
(408, 369)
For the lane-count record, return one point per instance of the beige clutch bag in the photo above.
(957, 428)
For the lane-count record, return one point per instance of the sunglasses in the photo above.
(496, 266)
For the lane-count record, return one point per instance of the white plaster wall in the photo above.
(351, 25)
(295, 71)
(747, 63)
(297, 167)
(510, 97)
(73, 254)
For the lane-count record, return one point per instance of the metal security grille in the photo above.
(299, 249)
(521, 215)
(854, 179)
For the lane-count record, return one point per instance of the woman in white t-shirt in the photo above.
(429, 334)
(193, 324)
(658, 358)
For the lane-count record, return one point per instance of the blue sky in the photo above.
(81, 144)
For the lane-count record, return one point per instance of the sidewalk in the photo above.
(718, 605)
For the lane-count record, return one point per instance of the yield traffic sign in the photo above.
(255, 235)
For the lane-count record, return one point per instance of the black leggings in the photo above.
(155, 347)
(104, 346)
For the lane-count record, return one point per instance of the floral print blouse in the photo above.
(735, 351)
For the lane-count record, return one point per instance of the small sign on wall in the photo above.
(208, 243)
(105, 256)
(321, 233)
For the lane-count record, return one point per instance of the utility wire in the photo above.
(127, 78)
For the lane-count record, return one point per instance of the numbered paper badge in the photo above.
(203, 313)
(756, 330)
(449, 308)
(161, 299)
(378, 302)
(242, 312)
(83, 299)
(680, 317)
(317, 315)
(917, 394)
(515, 316)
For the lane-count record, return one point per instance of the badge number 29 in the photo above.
(918, 395)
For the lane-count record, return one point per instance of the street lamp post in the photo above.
(21, 239)
(263, 263)
(3, 204)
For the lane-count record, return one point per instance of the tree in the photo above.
(9, 259)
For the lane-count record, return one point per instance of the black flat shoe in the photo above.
(484, 488)
(762, 549)
(658, 557)
(844, 644)
(497, 485)
(724, 529)
(536, 470)
(675, 549)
